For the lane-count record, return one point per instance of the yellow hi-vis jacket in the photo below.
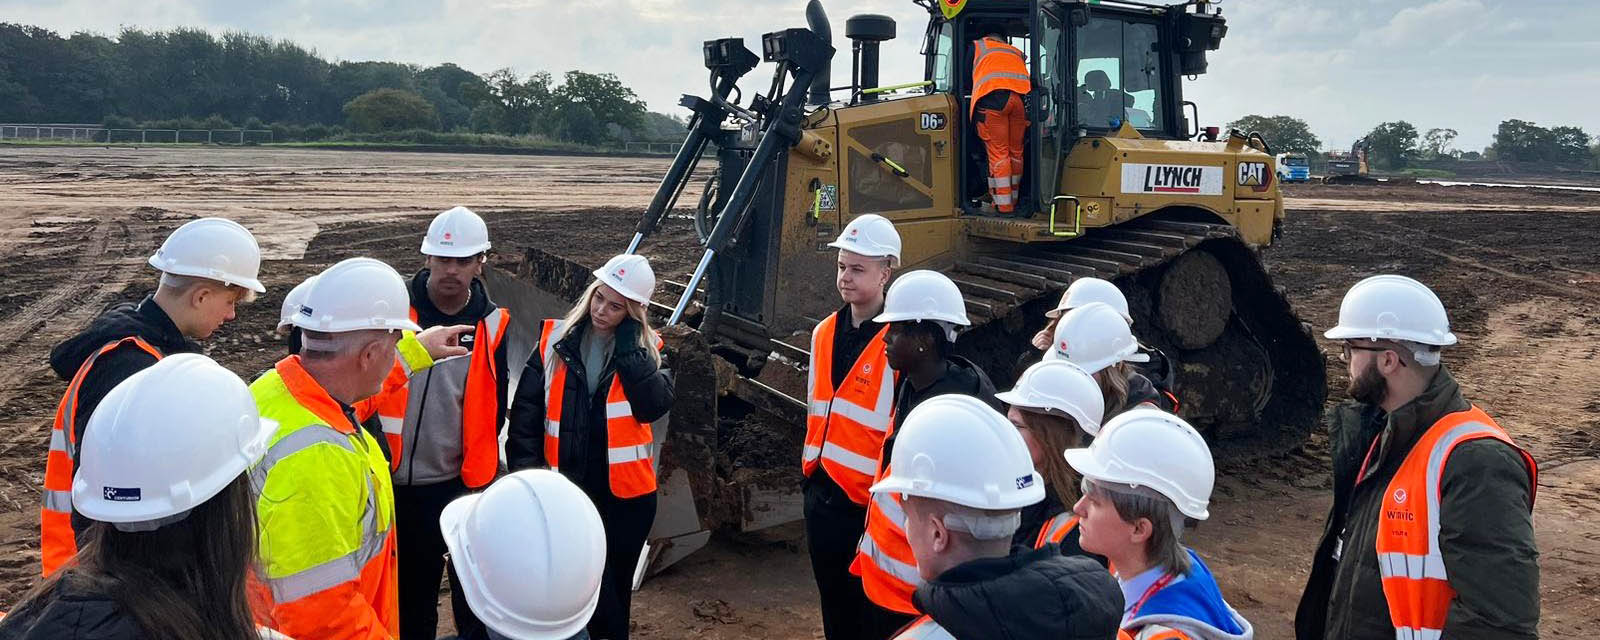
(326, 512)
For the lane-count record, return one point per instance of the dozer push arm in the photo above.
(802, 55)
(728, 60)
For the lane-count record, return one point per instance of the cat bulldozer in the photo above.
(1120, 183)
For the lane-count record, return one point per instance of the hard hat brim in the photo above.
(431, 249)
(452, 521)
(89, 501)
(1061, 311)
(1353, 333)
(893, 259)
(247, 283)
(398, 325)
(903, 316)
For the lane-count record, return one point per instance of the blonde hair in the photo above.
(1114, 386)
(579, 313)
(1056, 433)
(181, 285)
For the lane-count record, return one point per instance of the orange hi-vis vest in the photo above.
(1415, 580)
(1056, 529)
(995, 66)
(480, 404)
(629, 442)
(884, 560)
(57, 543)
(845, 427)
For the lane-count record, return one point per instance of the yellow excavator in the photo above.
(1120, 183)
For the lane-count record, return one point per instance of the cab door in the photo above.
(1051, 103)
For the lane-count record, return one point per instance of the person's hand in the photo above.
(627, 336)
(1042, 339)
(444, 341)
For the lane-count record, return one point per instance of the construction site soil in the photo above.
(1517, 268)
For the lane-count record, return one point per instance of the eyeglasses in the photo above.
(1344, 354)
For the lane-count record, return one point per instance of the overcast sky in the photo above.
(1342, 66)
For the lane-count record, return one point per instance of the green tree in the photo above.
(389, 110)
(522, 101)
(1284, 133)
(576, 122)
(605, 96)
(1436, 142)
(1522, 141)
(1568, 145)
(1391, 144)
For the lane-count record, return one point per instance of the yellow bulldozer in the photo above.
(1120, 183)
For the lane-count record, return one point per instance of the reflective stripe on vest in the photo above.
(995, 66)
(1056, 529)
(326, 510)
(480, 404)
(883, 559)
(57, 543)
(630, 444)
(1415, 581)
(924, 628)
(845, 427)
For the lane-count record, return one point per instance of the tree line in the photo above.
(192, 78)
(1394, 145)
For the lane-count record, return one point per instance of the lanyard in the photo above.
(1159, 585)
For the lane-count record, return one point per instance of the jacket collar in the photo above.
(308, 393)
(1407, 423)
(168, 333)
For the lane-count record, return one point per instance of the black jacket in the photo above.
(1485, 529)
(960, 376)
(68, 613)
(583, 413)
(1040, 595)
(145, 320)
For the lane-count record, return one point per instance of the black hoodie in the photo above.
(71, 612)
(1040, 595)
(145, 320)
(960, 376)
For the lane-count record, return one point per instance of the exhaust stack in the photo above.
(867, 30)
(817, 21)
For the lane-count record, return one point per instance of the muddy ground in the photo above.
(1516, 267)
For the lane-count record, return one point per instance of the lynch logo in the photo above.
(1171, 179)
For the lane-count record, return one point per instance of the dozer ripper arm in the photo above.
(800, 53)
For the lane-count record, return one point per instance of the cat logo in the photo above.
(1255, 175)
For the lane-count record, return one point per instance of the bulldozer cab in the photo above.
(1093, 68)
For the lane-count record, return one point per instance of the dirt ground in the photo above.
(1516, 267)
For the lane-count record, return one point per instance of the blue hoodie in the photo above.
(1191, 604)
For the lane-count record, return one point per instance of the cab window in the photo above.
(1119, 74)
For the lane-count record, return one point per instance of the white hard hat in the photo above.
(1094, 336)
(291, 302)
(212, 248)
(530, 551)
(456, 233)
(870, 235)
(1086, 290)
(1390, 307)
(1150, 448)
(165, 440)
(1060, 387)
(924, 295)
(630, 275)
(957, 449)
(356, 294)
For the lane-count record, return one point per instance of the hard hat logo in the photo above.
(1025, 481)
(122, 494)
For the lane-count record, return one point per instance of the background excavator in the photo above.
(1121, 183)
